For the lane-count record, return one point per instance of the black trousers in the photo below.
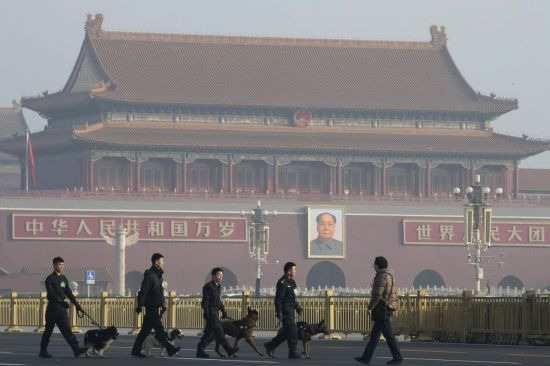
(213, 330)
(56, 314)
(382, 325)
(152, 320)
(288, 333)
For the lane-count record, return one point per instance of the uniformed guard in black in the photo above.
(151, 296)
(212, 305)
(285, 309)
(57, 286)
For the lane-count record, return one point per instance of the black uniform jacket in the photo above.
(58, 289)
(211, 300)
(285, 297)
(151, 294)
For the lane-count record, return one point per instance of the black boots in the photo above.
(44, 354)
(77, 351)
(201, 354)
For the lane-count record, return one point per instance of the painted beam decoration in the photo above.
(504, 232)
(149, 228)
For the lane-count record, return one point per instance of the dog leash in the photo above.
(81, 314)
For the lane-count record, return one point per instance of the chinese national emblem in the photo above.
(302, 117)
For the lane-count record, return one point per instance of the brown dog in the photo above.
(240, 329)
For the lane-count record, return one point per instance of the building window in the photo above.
(199, 178)
(441, 181)
(156, 176)
(110, 174)
(249, 177)
(400, 181)
(356, 180)
(301, 179)
(202, 176)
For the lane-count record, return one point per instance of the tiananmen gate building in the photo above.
(153, 130)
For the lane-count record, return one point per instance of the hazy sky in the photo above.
(499, 46)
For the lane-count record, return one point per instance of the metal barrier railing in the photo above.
(500, 320)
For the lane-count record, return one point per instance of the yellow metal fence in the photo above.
(500, 320)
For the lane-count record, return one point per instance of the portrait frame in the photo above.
(339, 212)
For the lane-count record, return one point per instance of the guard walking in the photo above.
(151, 296)
(212, 305)
(57, 286)
(285, 309)
(383, 305)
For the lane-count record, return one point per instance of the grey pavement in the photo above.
(21, 349)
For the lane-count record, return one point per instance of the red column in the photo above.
(384, 181)
(230, 176)
(90, 175)
(375, 181)
(128, 175)
(184, 187)
(516, 181)
(339, 185)
(267, 178)
(331, 180)
(428, 181)
(137, 176)
(506, 180)
(177, 176)
(276, 176)
(223, 177)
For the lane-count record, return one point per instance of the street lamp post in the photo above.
(258, 239)
(477, 224)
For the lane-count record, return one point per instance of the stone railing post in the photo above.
(245, 302)
(172, 310)
(42, 312)
(138, 319)
(73, 319)
(467, 316)
(13, 327)
(104, 309)
(421, 315)
(329, 312)
(527, 316)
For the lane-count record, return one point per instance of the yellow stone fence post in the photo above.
(42, 312)
(13, 327)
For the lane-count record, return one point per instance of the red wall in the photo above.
(187, 264)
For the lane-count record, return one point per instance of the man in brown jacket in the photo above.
(383, 304)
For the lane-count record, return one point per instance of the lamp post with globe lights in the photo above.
(258, 239)
(477, 224)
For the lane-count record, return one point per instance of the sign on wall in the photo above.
(149, 228)
(504, 232)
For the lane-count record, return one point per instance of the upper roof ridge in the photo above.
(93, 27)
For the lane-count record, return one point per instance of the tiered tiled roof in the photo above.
(277, 139)
(12, 122)
(146, 68)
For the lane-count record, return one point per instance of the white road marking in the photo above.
(465, 361)
(217, 360)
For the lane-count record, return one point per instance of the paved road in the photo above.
(21, 349)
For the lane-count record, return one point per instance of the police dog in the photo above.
(98, 340)
(152, 341)
(240, 329)
(307, 331)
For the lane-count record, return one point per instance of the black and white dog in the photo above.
(98, 340)
(152, 342)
